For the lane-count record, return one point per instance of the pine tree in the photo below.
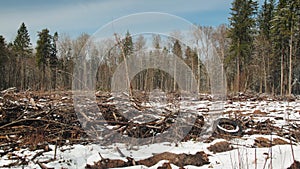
(264, 43)
(177, 49)
(191, 59)
(3, 48)
(3, 61)
(242, 29)
(285, 27)
(22, 47)
(43, 52)
(265, 17)
(293, 26)
(128, 44)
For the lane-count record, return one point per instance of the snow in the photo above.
(244, 154)
(77, 156)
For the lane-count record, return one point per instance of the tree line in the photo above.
(263, 53)
(259, 49)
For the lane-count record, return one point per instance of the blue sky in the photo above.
(74, 17)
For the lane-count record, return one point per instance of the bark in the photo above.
(290, 64)
(174, 83)
(281, 73)
(238, 74)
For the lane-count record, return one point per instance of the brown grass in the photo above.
(219, 147)
(261, 142)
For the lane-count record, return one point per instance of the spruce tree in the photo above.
(177, 49)
(264, 44)
(2, 47)
(265, 17)
(128, 44)
(22, 45)
(53, 60)
(241, 32)
(285, 28)
(43, 52)
(3, 60)
(22, 48)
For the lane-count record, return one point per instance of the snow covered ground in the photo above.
(77, 156)
(245, 154)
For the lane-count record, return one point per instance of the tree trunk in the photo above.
(126, 67)
(199, 74)
(238, 74)
(260, 84)
(43, 77)
(264, 74)
(193, 67)
(23, 73)
(54, 77)
(174, 83)
(238, 69)
(281, 72)
(290, 64)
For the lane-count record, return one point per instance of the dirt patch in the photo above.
(260, 113)
(219, 147)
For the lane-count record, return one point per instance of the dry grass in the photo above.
(262, 142)
(219, 147)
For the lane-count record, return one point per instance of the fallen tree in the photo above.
(180, 160)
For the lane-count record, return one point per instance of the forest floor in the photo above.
(47, 130)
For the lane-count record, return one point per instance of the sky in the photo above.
(75, 17)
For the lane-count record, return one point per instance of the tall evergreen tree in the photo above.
(242, 29)
(43, 52)
(263, 44)
(293, 26)
(3, 49)
(3, 61)
(128, 44)
(279, 40)
(22, 43)
(265, 17)
(177, 49)
(23, 49)
(285, 27)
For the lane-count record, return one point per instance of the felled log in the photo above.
(181, 160)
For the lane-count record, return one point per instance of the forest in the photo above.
(259, 49)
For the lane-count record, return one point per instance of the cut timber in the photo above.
(181, 160)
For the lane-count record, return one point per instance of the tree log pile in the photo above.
(31, 119)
